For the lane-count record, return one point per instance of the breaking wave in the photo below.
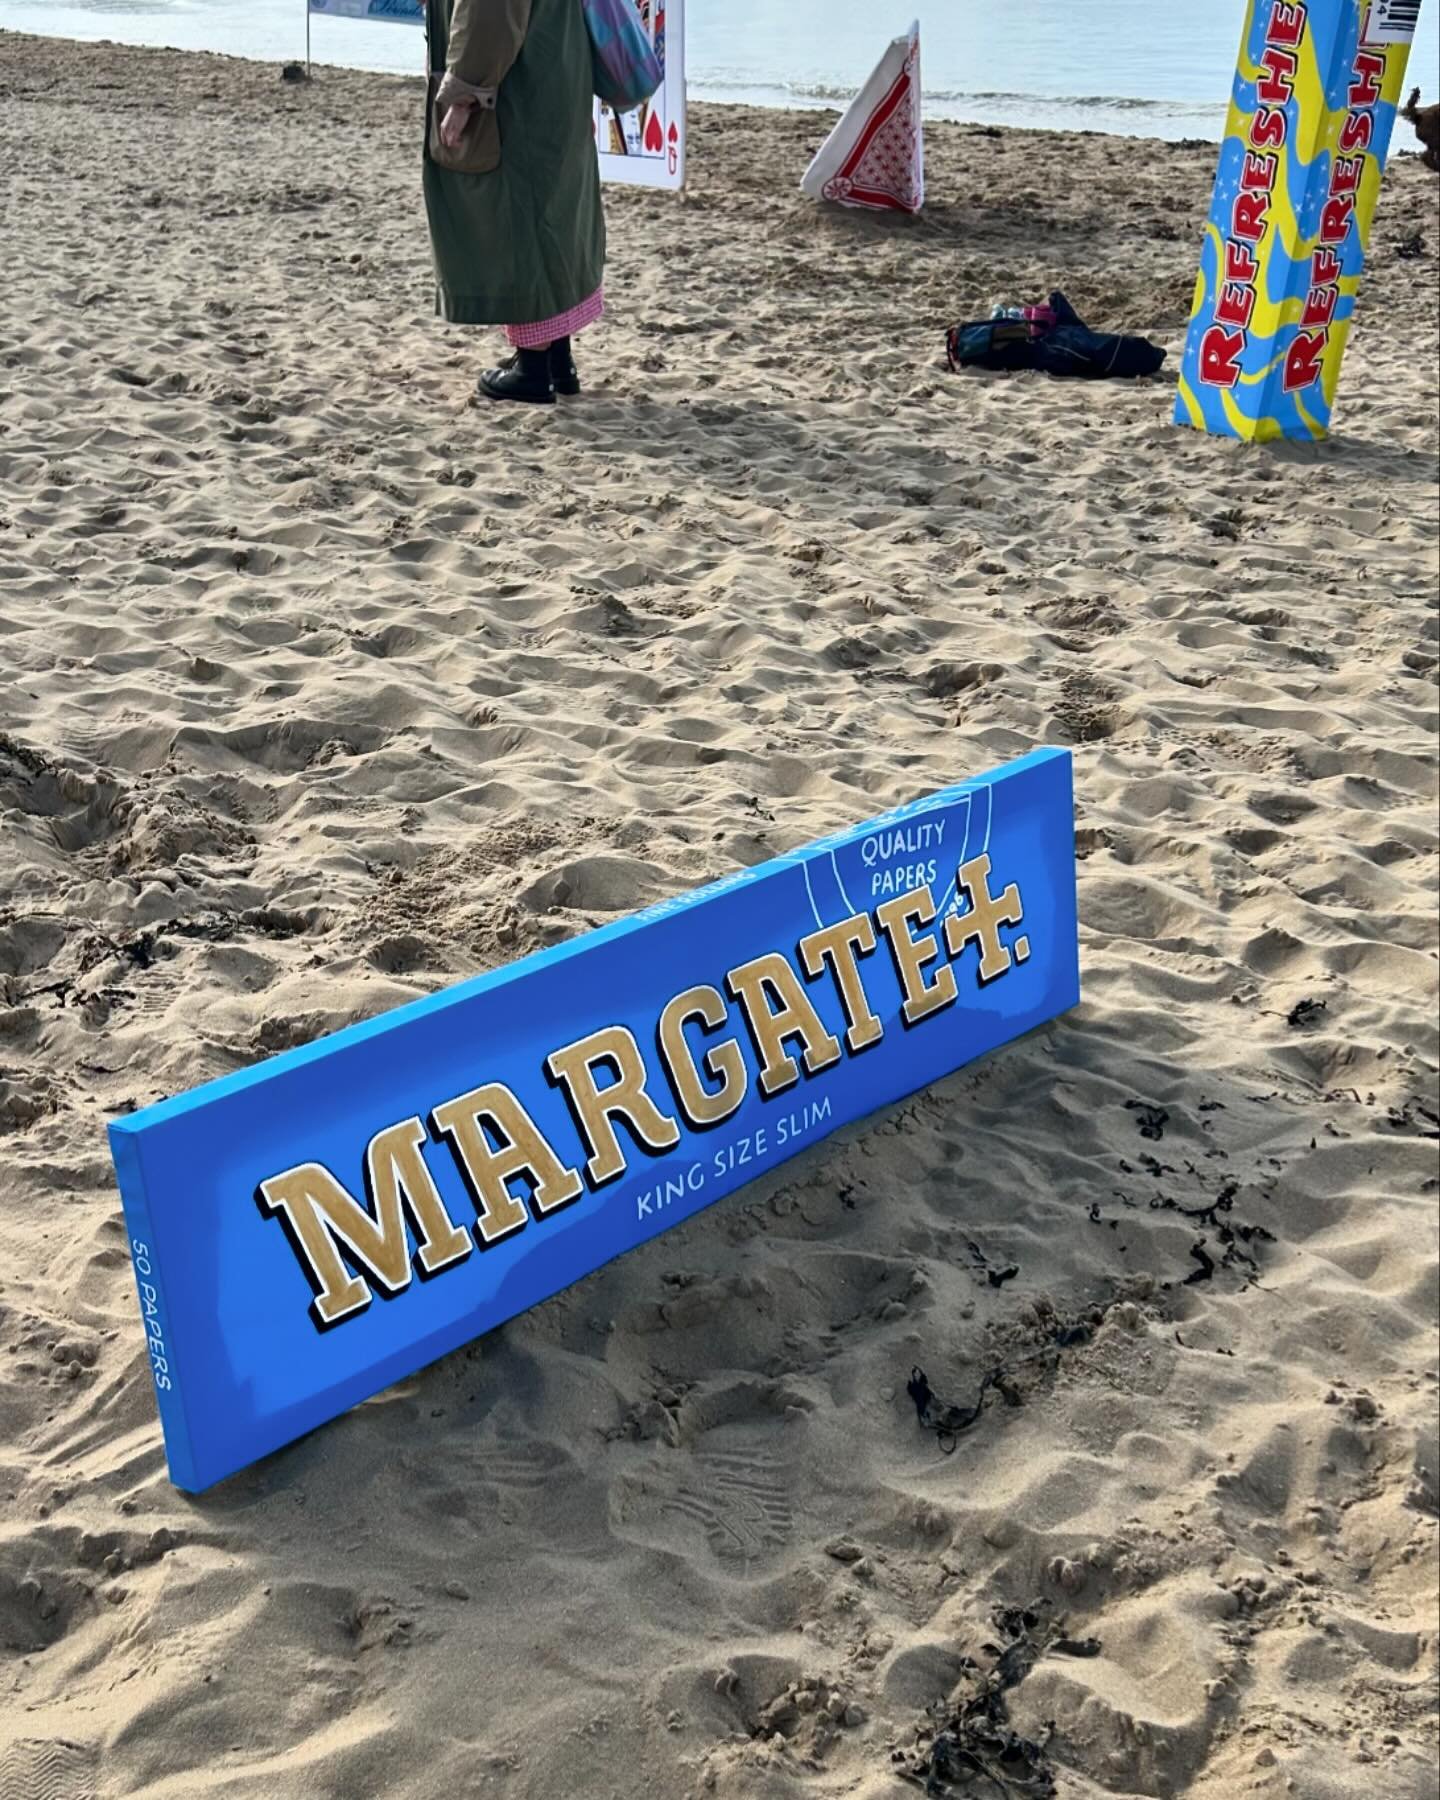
(1145, 115)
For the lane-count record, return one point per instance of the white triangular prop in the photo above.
(875, 156)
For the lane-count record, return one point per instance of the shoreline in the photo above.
(1178, 121)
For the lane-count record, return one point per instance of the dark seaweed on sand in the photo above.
(976, 1751)
(947, 1421)
(1236, 1238)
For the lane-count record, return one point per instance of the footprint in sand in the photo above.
(525, 1465)
(736, 1503)
(47, 1769)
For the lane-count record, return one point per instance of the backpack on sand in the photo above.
(1065, 347)
(626, 70)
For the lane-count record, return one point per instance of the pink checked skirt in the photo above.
(566, 324)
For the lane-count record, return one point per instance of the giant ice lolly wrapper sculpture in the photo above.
(1313, 107)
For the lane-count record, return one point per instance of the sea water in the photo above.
(1102, 65)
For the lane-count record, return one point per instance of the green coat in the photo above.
(515, 215)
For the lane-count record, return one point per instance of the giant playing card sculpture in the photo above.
(646, 147)
(875, 156)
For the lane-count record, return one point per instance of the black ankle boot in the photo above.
(525, 377)
(562, 368)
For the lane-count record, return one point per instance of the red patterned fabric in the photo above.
(884, 168)
(566, 324)
(875, 156)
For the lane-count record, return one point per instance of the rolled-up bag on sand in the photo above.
(626, 69)
(1052, 339)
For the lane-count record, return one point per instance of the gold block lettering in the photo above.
(488, 1170)
(725, 1063)
(753, 984)
(913, 955)
(841, 946)
(981, 924)
(596, 1108)
(319, 1217)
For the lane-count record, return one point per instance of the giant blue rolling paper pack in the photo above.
(307, 1231)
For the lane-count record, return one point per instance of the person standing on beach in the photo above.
(512, 184)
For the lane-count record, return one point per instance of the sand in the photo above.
(321, 689)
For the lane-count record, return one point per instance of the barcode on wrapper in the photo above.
(1391, 21)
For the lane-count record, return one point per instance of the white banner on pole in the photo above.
(390, 12)
(646, 148)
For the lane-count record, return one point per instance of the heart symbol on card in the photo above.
(654, 136)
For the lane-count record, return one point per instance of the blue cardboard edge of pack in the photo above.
(276, 1216)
